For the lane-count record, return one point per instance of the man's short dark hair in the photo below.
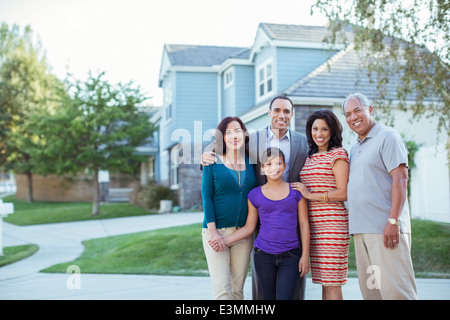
(283, 98)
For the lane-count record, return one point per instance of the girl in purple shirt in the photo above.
(280, 209)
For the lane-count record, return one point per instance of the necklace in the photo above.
(237, 172)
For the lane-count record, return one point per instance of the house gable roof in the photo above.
(342, 75)
(294, 32)
(204, 56)
(201, 58)
(293, 36)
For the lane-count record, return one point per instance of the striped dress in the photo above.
(328, 221)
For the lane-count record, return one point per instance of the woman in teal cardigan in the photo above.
(225, 186)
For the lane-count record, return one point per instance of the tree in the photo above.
(97, 127)
(412, 147)
(406, 38)
(26, 86)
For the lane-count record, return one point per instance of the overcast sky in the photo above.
(125, 38)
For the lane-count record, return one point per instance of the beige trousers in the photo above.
(228, 270)
(384, 274)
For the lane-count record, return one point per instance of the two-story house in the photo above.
(203, 84)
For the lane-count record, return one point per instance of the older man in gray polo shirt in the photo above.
(377, 202)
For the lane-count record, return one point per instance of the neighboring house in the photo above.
(150, 149)
(114, 187)
(203, 84)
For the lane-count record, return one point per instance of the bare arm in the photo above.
(340, 171)
(244, 232)
(302, 208)
(247, 229)
(398, 197)
(215, 237)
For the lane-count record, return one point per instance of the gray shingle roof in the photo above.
(289, 32)
(204, 56)
(343, 76)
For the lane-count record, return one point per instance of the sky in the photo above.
(125, 38)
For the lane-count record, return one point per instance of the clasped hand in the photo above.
(217, 243)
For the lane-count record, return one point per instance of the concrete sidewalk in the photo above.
(61, 242)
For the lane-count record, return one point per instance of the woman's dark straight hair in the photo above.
(335, 130)
(219, 143)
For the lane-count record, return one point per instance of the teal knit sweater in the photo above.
(224, 202)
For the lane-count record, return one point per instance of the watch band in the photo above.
(393, 221)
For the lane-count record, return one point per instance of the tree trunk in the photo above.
(96, 195)
(29, 176)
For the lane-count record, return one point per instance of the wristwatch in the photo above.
(393, 221)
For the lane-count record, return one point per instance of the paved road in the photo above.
(61, 242)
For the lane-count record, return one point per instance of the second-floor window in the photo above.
(265, 79)
(168, 102)
(228, 78)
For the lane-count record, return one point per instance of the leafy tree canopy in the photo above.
(407, 38)
(26, 86)
(97, 126)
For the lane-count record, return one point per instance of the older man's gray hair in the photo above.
(361, 98)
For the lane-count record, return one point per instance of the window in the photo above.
(168, 112)
(229, 74)
(175, 154)
(148, 169)
(261, 82)
(168, 102)
(265, 79)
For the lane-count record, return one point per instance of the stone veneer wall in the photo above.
(190, 184)
(67, 188)
(302, 113)
(55, 188)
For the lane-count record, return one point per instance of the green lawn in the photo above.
(40, 212)
(16, 253)
(431, 249)
(179, 251)
(172, 251)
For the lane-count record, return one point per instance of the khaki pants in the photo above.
(228, 270)
(384, 274)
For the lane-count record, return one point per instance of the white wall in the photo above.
(164, 167)
(429, 185)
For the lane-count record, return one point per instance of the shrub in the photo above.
(149, 197)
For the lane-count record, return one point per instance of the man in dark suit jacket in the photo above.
(295, 148)
(298, 149)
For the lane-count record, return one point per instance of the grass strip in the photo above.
(179, 251)
(172, 251)
(16, 253)
(26, 213)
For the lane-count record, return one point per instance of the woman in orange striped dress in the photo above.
(324, 180)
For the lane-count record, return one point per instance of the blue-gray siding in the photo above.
(240, 96)
(295, 63)
(195, 100)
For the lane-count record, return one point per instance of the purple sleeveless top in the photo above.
(279, 220)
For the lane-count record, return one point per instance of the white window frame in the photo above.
(174, 172)
(265, 76)
(168, 106)
(228, 78)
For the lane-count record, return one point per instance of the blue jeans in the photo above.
(278, 273)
